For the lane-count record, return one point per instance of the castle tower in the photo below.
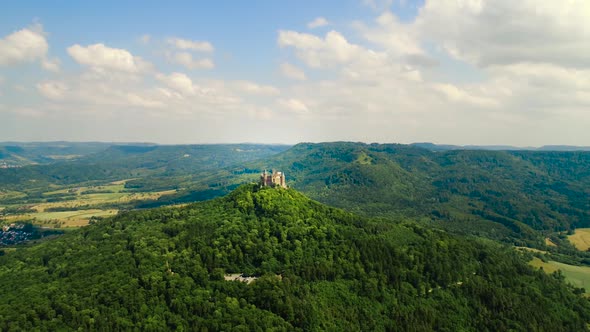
(273, 179)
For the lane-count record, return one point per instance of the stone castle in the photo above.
(274, 179)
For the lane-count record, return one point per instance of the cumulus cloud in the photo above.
(103, 58)
(292, 71)
(51, 65)
(393, 36)
(179, 82)
(477, 72)
(317, 22)
(318, 52)
(499, 32)
(193, 45)
(294, 105)
(384, 84)
(256, 89)
(27, 45)
(186, 59)
(53, 90)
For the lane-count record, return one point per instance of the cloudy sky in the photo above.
(444, 71)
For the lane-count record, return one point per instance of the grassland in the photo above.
(581, 239)
(62, 218)
(578, 276)
(550, 243)
(74, 207)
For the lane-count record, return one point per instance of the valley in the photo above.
(418, 227)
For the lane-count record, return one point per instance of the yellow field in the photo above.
(102, 198)
(531, 249)
(581, 239)
(121, 181)
(113, 187)
(63, 218)
(91, 196)
(11, 194)
(549, 243)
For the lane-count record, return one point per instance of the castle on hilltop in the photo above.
(273, 179)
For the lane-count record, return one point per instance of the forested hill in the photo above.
(118, 162)
(500, 194)
(318, 268)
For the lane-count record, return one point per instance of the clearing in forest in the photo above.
(578, 276)
(581, 239)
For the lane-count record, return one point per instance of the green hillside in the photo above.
(22, 154)
(507, 195)
(119, 162)
(513, 196)
(317, 268)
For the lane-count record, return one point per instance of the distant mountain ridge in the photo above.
(513, 196)
(445, 147)
(508, 195)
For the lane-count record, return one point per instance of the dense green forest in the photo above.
(513, 196)
(518, 197)
(118, 162)
(318, 268)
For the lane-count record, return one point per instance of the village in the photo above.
(14, 234)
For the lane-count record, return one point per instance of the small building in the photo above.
(273, 179)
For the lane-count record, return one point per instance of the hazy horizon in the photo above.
(450, 72)
(442, 145)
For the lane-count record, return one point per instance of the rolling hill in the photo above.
(314, 268)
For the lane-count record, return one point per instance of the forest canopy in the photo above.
(317, 268)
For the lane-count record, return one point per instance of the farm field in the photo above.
(60, 219)
(580, 239)
(74, 207)
(578, 276)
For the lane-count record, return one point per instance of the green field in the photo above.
(63, 218)
(578, 276)
(81, 204)
(581, 239)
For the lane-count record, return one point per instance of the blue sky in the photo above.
(461, 72)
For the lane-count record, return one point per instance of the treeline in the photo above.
(511, 196)
(318, 268)
(123, 162)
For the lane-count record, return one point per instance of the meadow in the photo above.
(578, 276)
(581, 239)
(64, 207)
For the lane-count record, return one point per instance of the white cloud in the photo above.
(477, 72)
(27, 45)
(506, 32)
(103, 58)
(185, 44)
(256, 89)
(393, 36)
(292, 72)
(316, 52)
(294, 105)
(317, 22)
(179, 82)
(51, 65)
(53, 90)
(461, 95)
(186, 59)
